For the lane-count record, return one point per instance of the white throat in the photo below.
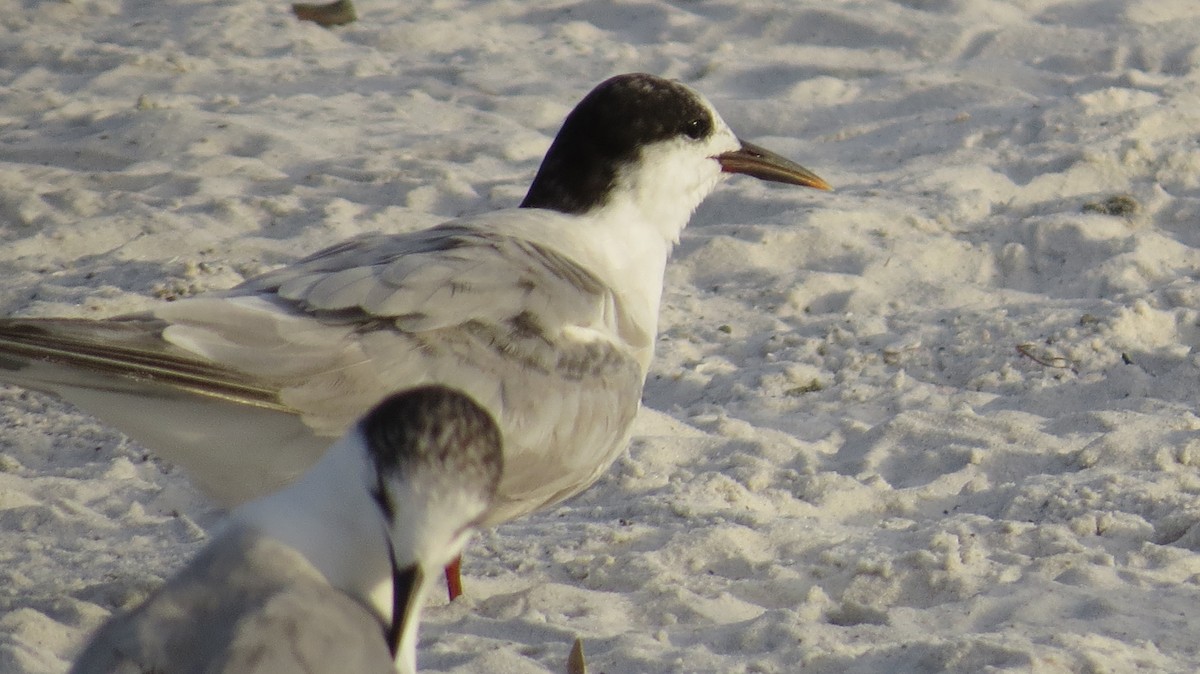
(329, 516)
(634, 232)
(663, 188)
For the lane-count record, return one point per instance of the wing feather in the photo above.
(538, 339)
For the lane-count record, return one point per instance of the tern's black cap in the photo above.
(437, 431)
(607, 130)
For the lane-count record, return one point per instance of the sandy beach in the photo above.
(943, 419)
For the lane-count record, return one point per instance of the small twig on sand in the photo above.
(336, 13)
(1054, 361)
(575, 663)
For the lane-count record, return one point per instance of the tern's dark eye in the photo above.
(696, 128)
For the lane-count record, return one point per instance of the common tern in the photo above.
(328, 574)
(545, 314)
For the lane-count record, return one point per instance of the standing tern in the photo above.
(545, 314)
(328, 574)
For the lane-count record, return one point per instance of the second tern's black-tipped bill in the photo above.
(406, 595)
(761, 163)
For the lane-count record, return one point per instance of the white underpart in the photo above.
(329, 516)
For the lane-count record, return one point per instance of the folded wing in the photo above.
(246, 388)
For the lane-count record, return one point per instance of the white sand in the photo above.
(940, 420)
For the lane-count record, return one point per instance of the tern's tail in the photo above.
(231, 434)
(45, 354)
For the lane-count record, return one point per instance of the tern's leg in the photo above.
(454, 578)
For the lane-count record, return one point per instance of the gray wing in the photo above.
(229, 429)
(533, 336)
(246, 605)
(109, 355)
(246, 388)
